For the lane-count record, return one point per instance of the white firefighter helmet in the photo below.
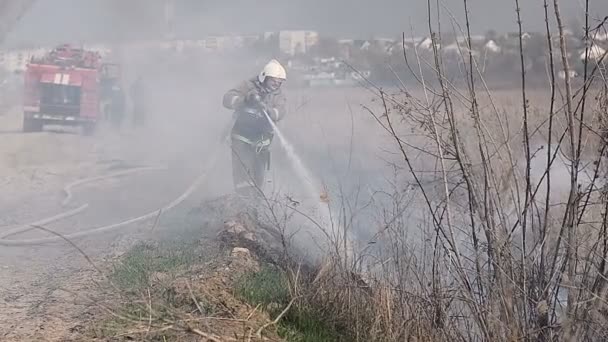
(272, 69)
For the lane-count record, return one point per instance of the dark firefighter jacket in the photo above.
(254, 127)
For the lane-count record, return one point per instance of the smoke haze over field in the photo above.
(50, 20)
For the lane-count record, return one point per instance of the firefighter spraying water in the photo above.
(253, 102)
(258, 105)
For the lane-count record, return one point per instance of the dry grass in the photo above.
(164, 297)
(495, 229)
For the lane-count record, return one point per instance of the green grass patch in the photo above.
(270, 288)
(266, 287)
(133, 273)
(144, 271)
(143, 260)
(302, 325)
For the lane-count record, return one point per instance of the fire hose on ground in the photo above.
(68, 191)
(68, 188)
(103, 229)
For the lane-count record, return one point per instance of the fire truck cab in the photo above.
(62, 88)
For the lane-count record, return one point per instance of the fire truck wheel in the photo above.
(32, 125)
(88, 129)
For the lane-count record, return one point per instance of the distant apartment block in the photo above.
(16, 60)
(297, 42)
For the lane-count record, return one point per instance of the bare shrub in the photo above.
(502, 236)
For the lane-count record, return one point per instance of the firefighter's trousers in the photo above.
(249, 165)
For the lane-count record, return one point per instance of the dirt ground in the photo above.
(35, 169)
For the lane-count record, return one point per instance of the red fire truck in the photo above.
(63, 88)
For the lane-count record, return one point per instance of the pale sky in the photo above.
(52, 21)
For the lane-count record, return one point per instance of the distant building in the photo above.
(562, 74)
(426, 44)
(296, 42)
(474, 39)
(214, 43)
(350, 42)
(16, 60)
(491, 46)
(225, 43)
(384, 43)
(595, 53)
(456, 49)
(362, 44)
(515, 35)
